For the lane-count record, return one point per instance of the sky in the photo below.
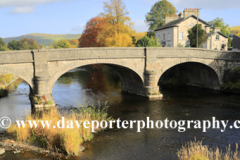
(19, 17)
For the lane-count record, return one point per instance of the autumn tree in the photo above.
(218, 22)
(158, 12)
(73, 43)
(192, 35)
(89, 38)
(118, 30)
(26, 43)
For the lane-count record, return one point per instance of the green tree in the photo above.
(134, 40)
(25, 45)
(158, 12)
(14, 45)
(63, 43)
(148, 42)
(2, 44)
(229, 42)
(220, 23)
(192, 35)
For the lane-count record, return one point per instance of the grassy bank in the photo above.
(65, 140)
(197, 151)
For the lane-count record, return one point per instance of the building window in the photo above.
(180, 35)
(159, 38)
(168, 36)
(217, 37)
(164, 37)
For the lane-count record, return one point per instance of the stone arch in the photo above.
(21, 75)
(165, 65)
(118, 65)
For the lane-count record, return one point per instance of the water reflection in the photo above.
(177, 104)
(87, 84)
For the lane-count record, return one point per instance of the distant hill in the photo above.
(235, 30)
(44, 39)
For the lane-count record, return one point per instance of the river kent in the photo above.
(91, 85)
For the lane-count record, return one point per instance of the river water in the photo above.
(87, 84)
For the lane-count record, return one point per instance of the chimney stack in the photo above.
(170, 18)
(217, 29)
(191, 11)
(180, 15)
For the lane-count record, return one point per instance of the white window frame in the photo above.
(180, 36)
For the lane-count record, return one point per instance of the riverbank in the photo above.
(67, 141)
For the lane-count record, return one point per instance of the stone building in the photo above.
(175, 31)
(216, 40)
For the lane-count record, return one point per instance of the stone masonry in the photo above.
(139, 68)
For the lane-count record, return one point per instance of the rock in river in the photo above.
(82, 148)
(2, 151)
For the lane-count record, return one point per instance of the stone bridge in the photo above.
(139, 68)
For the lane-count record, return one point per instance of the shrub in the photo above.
(66, 139)
(197, 151)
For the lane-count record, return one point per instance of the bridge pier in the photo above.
(151, 90)
(42, 97)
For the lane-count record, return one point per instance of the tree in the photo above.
(158, 12)
(91, 32)
(118, 30)
(14, 45)
(73, 43)
(219, 23)
(134, 40)
(192, 35)
(229, 42)
(25, 45)
(148, 42)
(33, 44)
(2, 45)
(63, 43)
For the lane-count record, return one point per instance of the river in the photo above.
(86, 84)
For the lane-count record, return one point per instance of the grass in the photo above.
(197, 151)
(66, 140)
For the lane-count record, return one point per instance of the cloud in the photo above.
(79, 28)
(140, 26)
(23, 10)
(204, 4)
(25, 6)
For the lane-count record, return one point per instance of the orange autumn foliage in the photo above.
(90, 34)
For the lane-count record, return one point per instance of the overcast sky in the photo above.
(19, 17)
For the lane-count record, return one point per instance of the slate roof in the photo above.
(222, 34)
(174, 23)
(211, 33)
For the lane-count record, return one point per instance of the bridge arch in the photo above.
(191, 73)
(131, 76)
(21, 75)
(169, 63)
